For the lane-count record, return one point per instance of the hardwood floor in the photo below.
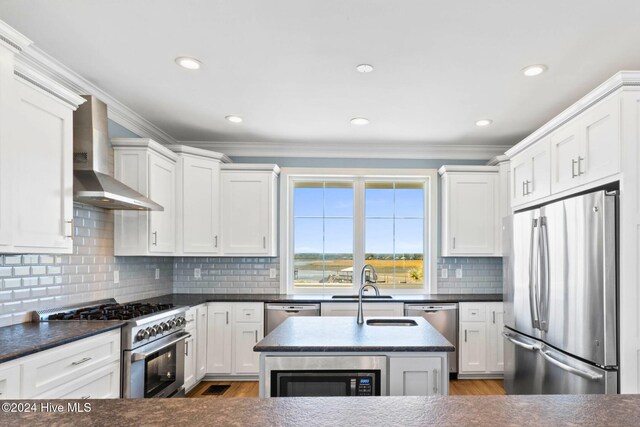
(250, 388)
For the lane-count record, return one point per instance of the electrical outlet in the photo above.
(458, 273)
(444, 273)
(157, 273)
(272, 273)
(197, 273)
(116, 276)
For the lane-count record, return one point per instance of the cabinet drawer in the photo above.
(190, 317)
(9, 381)
(53, 368)
(250, 312)
(472, 312)
(103, 383)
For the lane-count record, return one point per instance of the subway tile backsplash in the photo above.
(479, 275)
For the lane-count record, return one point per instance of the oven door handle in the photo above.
(136, 357)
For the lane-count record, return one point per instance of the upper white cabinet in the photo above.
(150, 169)
(36, 146)
(198, 201)
(587, 148)
(470, 211)
(530, 174)
(249, 209)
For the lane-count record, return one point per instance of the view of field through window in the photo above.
(323, 229)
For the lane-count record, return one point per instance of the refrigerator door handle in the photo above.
(533, 298)
(571, 369)
(543, 278)
(531, 347)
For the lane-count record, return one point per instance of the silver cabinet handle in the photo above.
(81, 361)
(155, 238)
(256, 331)
(186, 348)
(524, 185)
(571, 369)
(264, 242)
(215, 245)
(465, 335)
(70, 235)
(494, 317)
(227, 314)
(454, 243)
(435, 381)
(573, 168)
(580, 160)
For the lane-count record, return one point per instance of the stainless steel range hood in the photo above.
(92, 154)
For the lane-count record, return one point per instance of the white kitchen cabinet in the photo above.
(231, 337)
(249, 209)
(201, 341)
(470, 214)
(198, 201)
(189, 362)
(103, 383)
(149, 168)
(587, 148)
(9, 380)
(530, 174)
(370, 309)
(480, 335)
(417, 376)
(7, 102)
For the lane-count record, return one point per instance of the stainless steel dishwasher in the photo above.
(443, 317)
(278, 313)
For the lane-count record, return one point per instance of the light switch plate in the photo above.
(157, 273)
(272, 273)
(458, 273)
(116, 276)
(197, 273)
(444, 273)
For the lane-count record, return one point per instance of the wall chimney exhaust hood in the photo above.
(92, 154)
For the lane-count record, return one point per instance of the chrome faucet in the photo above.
(364, 283)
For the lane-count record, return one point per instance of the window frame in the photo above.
(288, 176)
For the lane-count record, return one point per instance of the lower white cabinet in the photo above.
(190, 349)
(201, 339)
(369, 309)
(84, 369)
(481, 349)
(417, 376)
(234, 329)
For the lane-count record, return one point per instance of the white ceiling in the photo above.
(288, 66)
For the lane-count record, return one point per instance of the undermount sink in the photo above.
(363, 297)
(391, 322)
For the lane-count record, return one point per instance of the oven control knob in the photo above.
(164, 326)
(172, 323)
(142, 335)
(157, 329)
(151, 331)
(181, 321)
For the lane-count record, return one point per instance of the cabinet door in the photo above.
(520, 174)
(9, 381)
(7, 104)
(246, 213)
(601, 150)
(162, 191)
(565, 151)
(201, 342)
(189, 362)
(219, 338)
(472, 214)
(200, 206)
(473, 337)
(540, 159)
(247, 336)
(495, 342)
(42, 204)
(101, 383)
(416, 376)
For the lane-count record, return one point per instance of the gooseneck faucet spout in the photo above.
(365, 283)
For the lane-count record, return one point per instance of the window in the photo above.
(333, 222)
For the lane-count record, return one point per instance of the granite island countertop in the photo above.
(27, 338)
(547, 410)
(343, 334)
(196, 299)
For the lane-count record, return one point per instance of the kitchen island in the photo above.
(328, 356)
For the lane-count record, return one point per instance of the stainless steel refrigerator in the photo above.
(561, 331)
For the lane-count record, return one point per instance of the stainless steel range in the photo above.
(153, 343)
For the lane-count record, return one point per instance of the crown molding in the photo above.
(34, 59)
(617, 81)
(373, 150)
(185, 149)
(12, 38)
(467, 168)
(47, 85)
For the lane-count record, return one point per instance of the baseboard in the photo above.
(209, 377)
(495, 376)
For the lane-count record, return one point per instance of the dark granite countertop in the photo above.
(195, 299)
(28, 338)
(548, 410)
(338, 334)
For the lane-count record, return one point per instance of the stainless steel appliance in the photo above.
(325, 376)
(444, 318)
(277, 313)
(153, 343)
(561, 297)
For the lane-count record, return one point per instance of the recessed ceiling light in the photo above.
(534, 70)
(483, 122)
(365, 68)
(188, 63)
(359, 121)
(234, 119)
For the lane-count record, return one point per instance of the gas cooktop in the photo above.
(112, 311)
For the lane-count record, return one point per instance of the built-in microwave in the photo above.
(324, 376)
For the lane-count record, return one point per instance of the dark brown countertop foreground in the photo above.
(195, 299)
(28, 338)
(600, 410)
(339, 334)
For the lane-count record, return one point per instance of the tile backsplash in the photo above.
(30, 282)
(479, 275)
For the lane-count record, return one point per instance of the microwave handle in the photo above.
(136, 357)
